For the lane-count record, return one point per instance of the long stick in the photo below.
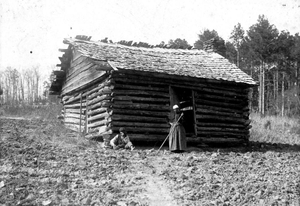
(171, 130)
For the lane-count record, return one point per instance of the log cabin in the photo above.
(104, 86)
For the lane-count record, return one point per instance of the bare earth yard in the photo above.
(40, 164)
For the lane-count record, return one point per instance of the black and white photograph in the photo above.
(150, 103)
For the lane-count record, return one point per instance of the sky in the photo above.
(32, 31)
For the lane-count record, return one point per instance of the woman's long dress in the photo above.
(177, 139)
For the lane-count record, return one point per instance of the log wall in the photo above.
(222, 116)
(141, 103)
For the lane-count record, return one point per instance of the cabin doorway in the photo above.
(184, 98)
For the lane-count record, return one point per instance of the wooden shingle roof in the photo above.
(192, 63)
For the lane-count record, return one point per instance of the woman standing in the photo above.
(177, 139)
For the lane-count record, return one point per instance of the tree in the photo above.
(205, 35)
(231, 52)
(179, 44)
(262, 40)
(218, 42)
(237, 36)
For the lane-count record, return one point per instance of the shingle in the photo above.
(193, 63)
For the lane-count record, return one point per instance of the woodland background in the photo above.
(270, 56)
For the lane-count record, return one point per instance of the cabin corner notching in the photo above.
(108, 86)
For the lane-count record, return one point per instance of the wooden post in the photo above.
(282, 95)
(194, 111)
(80, 112)
(86, 114)
(263, 91)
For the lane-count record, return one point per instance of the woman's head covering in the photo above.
(175, 106)
(122, 129)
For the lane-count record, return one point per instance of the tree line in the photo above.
(23, 87)
(271, 57)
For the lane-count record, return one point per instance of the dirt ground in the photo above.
(37, 168)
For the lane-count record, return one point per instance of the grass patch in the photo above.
(41, 124)
(275, 129)
(47, 112)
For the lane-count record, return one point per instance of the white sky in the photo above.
(39, 26)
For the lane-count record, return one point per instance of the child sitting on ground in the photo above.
(121, 140)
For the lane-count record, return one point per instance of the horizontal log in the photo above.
(73, 115)
(74, 120)
(122, 102)
(97, 111)
(220, 133)
(215, 124)
(222, 97)
(138, 124)
(221, 104)
(101, 91)
(222, 140)
(141, 99)
(104, 103)
(77, 105)
(223, 109)
(141, 112)
(73, 99)
(220, 118)
(99, 99)
(104, 82)
(144, 130)
(76, 111)
(77, 101)
(135, 118)
(164, 89)
(206, 89)
(189, 81)
(218, 129)
(150, 107)
(119, 92)
(139, 81)
(214, 112)
(103, 122)
(100, 116)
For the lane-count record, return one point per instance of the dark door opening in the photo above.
(184, 99)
